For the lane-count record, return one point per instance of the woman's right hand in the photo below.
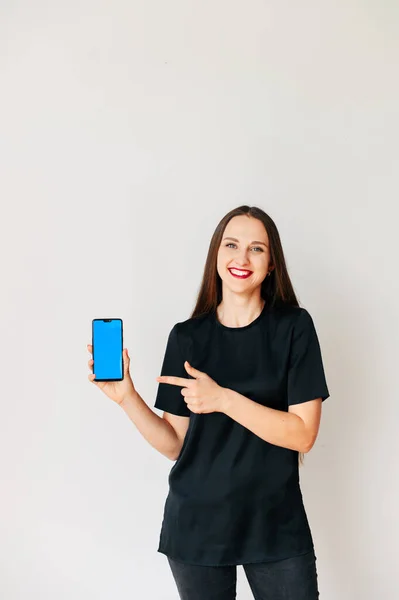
(118, 391)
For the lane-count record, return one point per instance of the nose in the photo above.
(242, 259)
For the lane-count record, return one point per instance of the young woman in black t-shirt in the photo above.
(241, 388)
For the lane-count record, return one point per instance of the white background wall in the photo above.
(128, 129)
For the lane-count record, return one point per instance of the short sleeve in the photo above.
(169, 397)
(306, 377)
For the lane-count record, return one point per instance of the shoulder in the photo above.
(192, 327)
(301, 316)
(291, 315)
(286, 323)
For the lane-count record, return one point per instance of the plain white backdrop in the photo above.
(127, 130)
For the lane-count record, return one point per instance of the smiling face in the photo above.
(243, 256)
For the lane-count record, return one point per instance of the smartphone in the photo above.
(107, 342)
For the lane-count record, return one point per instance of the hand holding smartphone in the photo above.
(110, 362)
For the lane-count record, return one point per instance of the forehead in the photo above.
(246, 229)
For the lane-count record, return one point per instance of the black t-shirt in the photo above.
(233, 497)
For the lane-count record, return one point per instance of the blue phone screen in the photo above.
(107, 348)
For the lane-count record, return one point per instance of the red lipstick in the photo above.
(244, 273)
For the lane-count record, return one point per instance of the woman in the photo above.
(241, 387)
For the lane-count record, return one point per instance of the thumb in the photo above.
(192, 371)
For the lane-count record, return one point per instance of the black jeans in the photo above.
(287, 579)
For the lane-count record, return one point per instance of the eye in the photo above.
(254, 247)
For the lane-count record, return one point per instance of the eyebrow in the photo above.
(235, 240)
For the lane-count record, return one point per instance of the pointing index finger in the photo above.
(182, 381)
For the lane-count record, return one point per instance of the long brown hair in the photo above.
(276, 290)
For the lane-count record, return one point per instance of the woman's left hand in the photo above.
(202, 394)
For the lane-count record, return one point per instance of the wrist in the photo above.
(225, 400)
(128, 400)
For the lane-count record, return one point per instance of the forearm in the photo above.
(158, 432)
(277, 427)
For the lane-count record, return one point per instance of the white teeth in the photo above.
(236, 272)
